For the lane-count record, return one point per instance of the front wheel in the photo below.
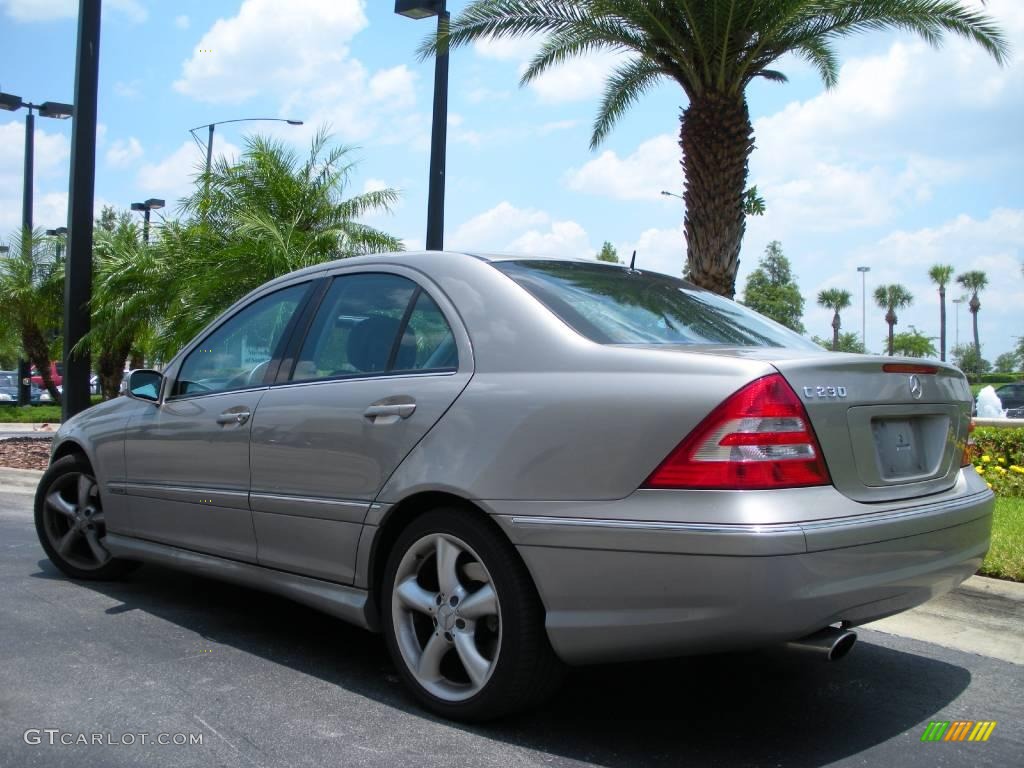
(462, 620)
(71, 524)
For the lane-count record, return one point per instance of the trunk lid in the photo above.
(885, 435)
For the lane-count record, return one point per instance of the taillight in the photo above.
(760, 437)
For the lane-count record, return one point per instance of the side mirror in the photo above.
(144, 384)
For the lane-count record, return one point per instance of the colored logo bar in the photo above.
(958, 730)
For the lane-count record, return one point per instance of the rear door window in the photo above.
(374, 323)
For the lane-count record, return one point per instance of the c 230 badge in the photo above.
(825, 393)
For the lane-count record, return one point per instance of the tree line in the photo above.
(772, 290)
(245, 222)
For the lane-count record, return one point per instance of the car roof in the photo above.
(410, 258)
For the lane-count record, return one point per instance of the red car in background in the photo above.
(56, 374)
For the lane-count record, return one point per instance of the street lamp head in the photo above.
(294, 122)
(154, 203)
(56, 109)
(419, 9)
(863, 269)
(58, 232)
(10, 102)
(138, 206)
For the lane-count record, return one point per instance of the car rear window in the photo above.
(616, 305)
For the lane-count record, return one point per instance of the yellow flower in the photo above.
(986, 459)
(980, 470)
(1001, 460)
(989, 484)
(1018, 470)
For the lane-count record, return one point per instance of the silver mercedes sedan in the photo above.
(509, 464)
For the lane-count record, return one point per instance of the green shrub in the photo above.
(998, 455)
(993, 378)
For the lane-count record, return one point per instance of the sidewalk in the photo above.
(16, 426)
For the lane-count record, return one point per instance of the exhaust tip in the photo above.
(842, 645)
(829, 642)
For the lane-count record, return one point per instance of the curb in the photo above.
(983, 616)
(42, 427)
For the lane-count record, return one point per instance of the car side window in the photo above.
(238, 353)
(356, 330)
(431, 337)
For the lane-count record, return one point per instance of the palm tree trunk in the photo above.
(110, 367)
(835, 332)
(975, 308)
(942, 322)
(890, 339)
(890, 318)
(717, 138)
(38, 352)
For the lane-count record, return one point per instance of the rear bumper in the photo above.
(618, 589)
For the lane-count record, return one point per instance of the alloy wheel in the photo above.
(447, 617)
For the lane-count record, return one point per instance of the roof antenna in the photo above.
(632, 262)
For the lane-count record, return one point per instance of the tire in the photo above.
(471, 645)
(70, 523)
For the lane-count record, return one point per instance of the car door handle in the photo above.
(380, 412)
(233, 417)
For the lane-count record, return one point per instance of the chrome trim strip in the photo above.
(810, 526)
(640, 525)
(309, 506)
(893, 515)
(220, 497)
(347, 603)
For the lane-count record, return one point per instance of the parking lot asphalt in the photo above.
(270, 683)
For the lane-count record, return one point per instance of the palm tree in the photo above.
(974, 281)
(837, 300)
(941, 274)
(890, 298)
(131, 285)
(252, 219)
(32, 286)
(712, 49)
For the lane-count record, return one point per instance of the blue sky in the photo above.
(915, 158)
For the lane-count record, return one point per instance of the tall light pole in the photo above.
(60, 233)
(58, 111)
(423, 9)
(152, 204)
(864, 306)
(211, 126)
(81, 196)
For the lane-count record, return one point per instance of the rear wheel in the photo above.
(71, 524)
(463, 622)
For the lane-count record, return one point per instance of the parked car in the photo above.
(1012, 398)
(8, 387)
(506, 464)
(56, 374)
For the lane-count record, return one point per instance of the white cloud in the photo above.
(508, 229)
(173, 177)
(182, 22)
(653, 167)
(270, 46)
(298, 54)
(578, 79)
(123, 153)
(50, 10)
(657, 250)
(52, 152)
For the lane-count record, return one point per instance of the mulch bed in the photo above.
(25, 452)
